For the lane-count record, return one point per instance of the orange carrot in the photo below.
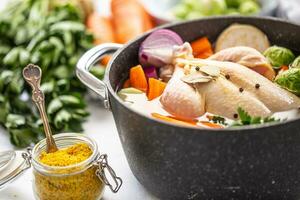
(169, 119)
(283, 68)
(156, 88)
(211, 125)
(205, 54)
(101, 27)
(192, 122)
(201, 45)
(138, 78)
(126, 84)
(129, 19)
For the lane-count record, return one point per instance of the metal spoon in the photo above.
(33, 74)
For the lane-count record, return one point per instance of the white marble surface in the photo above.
(100, 127)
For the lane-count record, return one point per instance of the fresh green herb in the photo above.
(246, 119)
(52, 35)
(218, 120)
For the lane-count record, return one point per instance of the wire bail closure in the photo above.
(27, 156)
(102, 163)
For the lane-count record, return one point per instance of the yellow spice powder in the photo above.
(67, 156)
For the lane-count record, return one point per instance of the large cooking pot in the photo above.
(176, 162)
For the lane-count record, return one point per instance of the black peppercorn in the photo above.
(241, 89)
(197, 68)
(227, 76)
(235, 116)
(257, 86)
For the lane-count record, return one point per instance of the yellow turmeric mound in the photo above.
(67, 156)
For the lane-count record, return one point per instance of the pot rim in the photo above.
(229, 129)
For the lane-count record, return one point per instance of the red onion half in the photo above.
(150, 72)
(157, 48)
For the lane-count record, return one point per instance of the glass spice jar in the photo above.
(82, 181)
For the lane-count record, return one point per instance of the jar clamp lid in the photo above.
(17, 165)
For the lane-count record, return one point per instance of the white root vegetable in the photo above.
(242, 35)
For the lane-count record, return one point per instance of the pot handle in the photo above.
(87, 61)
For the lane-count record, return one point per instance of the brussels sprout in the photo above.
(296, 63)
(290, 80)
(279, 56)
(249, 7)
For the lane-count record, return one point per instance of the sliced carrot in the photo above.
(138, 78)
(201, 45)
(283, 68)
(192, 122)
(126, 84)
(169, 119)
(205, 54)
(211, 125)
(156, 88)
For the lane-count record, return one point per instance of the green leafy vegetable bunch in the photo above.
(52, 36)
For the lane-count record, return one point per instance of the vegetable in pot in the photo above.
(150, 72)
(156, 88)
(157, 48)
(246, 119)
(279, 56)
(242, 35)
(138, 78)
(296, 63)
(130, 90)
(290, 80)
(202, 48)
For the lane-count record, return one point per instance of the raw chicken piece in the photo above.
(181, 99)
(273, 96)
(166, 72)
(224, 98)
(248, 57)
(238, 86)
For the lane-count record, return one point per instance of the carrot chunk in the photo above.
(138, 78)
(205, 54)
(211, 125)
(126, 84)
(156, 88)
(201, 45)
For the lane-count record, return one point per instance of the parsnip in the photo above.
(242, 35)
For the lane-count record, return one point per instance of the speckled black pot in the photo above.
(173, 162)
